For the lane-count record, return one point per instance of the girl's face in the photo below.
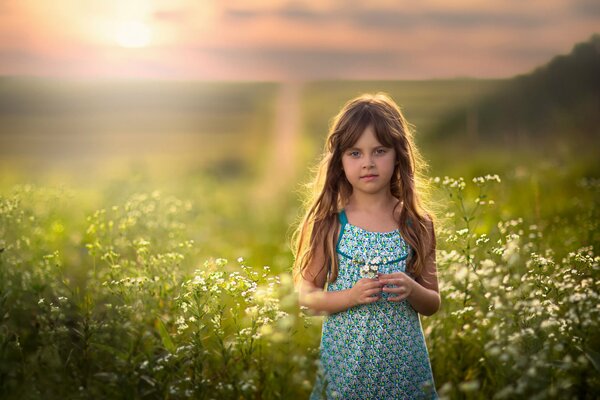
(369, 165)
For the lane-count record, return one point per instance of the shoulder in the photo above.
(428, 277)
(316, 271)
(430, 227)
(429, 223)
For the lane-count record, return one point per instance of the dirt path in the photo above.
(280, 169)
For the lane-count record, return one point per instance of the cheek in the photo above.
(347, 164)
(388, 162)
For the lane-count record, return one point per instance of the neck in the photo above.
(372, 203)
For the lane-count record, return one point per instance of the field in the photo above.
(145, 243)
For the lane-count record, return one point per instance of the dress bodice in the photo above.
(356, 247)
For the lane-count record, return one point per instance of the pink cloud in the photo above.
(275, 40)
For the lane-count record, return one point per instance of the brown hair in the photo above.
(331, 190)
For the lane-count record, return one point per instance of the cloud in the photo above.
(398, 17)
(210, 39)
(458, 20)
(586, 8)
(176, 16)
(19, 56)
(307, 63)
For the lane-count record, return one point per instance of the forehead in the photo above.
(367, 138)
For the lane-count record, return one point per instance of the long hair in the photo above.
(331, 190)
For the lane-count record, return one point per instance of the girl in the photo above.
(365, 257)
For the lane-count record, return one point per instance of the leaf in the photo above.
(111, 350)
(593, 356)
(148, 380)
(110, 377)
(164, 335)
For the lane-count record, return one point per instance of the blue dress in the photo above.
(377, 350)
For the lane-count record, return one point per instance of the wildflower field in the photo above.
(123, 301)
(130, 287)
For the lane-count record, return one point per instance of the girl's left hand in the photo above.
(404, 285)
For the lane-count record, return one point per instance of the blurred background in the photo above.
(237, 96)
(156, 152)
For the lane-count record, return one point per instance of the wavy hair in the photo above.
(331, 190)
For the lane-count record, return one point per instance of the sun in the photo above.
(133, 34)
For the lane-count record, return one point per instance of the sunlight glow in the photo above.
(133, 34)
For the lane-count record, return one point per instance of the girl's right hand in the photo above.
(365, 291)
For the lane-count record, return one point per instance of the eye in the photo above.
(354, 153)
(380, 151)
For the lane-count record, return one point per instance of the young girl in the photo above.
(365, 257)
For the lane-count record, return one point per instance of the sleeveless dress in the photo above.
(377, 350)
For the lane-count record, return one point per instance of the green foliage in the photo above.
(555, 99)
(519, 317)
(113, 302)
(116, 291)
(134, 324)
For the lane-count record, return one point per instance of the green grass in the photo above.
(128, 285)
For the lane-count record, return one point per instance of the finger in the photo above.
(396, 282)
(393, 275)
(394, 290)
(372, 299)
(371, 285)
(372, 291)
(374, 285)
(377, 284)
(396, 298)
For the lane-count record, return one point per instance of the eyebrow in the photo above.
(376, 147)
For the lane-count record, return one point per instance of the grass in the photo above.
(159, 280)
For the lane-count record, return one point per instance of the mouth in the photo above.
(369, 176)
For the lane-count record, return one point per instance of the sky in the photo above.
(288, 40)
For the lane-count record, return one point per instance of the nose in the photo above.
(368, 162)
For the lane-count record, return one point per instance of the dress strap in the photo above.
(343, 221)
(343, 218)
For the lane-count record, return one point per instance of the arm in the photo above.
(421, 297)
(425, 301)
(312, 294)
(323, 302)
(422, 293)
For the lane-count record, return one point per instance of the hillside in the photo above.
(559, 99)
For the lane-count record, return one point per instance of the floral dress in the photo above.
(377, 350)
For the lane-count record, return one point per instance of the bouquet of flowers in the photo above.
(369, 267)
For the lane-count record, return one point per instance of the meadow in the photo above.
(149, 274)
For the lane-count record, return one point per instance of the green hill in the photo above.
(558, 100)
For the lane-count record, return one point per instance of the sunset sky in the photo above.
(283, 40)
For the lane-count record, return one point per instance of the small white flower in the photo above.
(221, 262)
(370, 268)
